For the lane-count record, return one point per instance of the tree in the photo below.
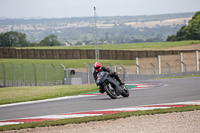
(189, 32)
(50, 40)
(1, 40)
(13, 39)
(171, 38)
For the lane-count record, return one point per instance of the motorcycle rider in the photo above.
(98, 68)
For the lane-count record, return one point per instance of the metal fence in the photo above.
(30, 75)
(136, 77)
(129, 73)
(49, 74)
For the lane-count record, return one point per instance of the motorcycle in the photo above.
(111, 86)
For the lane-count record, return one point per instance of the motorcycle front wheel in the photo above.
(125, 91)
(110, 91)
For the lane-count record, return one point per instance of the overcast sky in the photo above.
(84, 8)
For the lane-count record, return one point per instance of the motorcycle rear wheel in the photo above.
(110, 91)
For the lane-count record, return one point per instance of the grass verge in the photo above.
(68, 63)
(131, 46)
(31, 93)
(97, 118)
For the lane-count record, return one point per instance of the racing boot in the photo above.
(117, 77)
(101, 90)
(121, 83)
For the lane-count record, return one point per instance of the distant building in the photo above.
(67, 44)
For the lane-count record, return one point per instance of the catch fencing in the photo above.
(145, 68)
(165, 66)
(12, 75)
(30, 75)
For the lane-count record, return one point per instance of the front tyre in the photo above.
(125, 91)
(110, 91)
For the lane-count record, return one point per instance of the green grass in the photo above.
(69, 63)
(97, 118)
(132, 46)
(31, 93)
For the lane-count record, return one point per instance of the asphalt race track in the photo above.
(172, 90)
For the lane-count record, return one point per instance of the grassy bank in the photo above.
(132, 46)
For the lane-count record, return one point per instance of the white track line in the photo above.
(46, 100)
(99, 112)
(142, 86)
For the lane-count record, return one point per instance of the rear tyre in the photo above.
(125, 91)
(110, 91)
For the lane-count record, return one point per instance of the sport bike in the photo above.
(111, 86)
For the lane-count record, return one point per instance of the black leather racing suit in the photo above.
(102, 69)
(111, 74)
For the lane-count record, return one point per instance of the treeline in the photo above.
(54, 32)
(117, 34)
(188, 32)
(18, 39)
(139, 18)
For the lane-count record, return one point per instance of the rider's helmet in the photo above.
(97, 66)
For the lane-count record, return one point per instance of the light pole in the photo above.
(95, 37)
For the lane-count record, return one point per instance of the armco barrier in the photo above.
(83, 54)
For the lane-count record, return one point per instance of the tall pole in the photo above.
(95, 37)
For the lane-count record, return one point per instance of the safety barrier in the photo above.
(83, 54)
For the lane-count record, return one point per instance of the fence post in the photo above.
(111, 67)
(24, 72)
(159, 64)
(88, 73)
(182, 63)
(154, 71)
(138, 68)
(184, 66)
(115, 68)
(137, 64)
(4, 74)
(14, 74)
(124, 74)
(35, 74)
(64, 74)
(197, 57)
(45, 74)
(169, 70)
(54, 74)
